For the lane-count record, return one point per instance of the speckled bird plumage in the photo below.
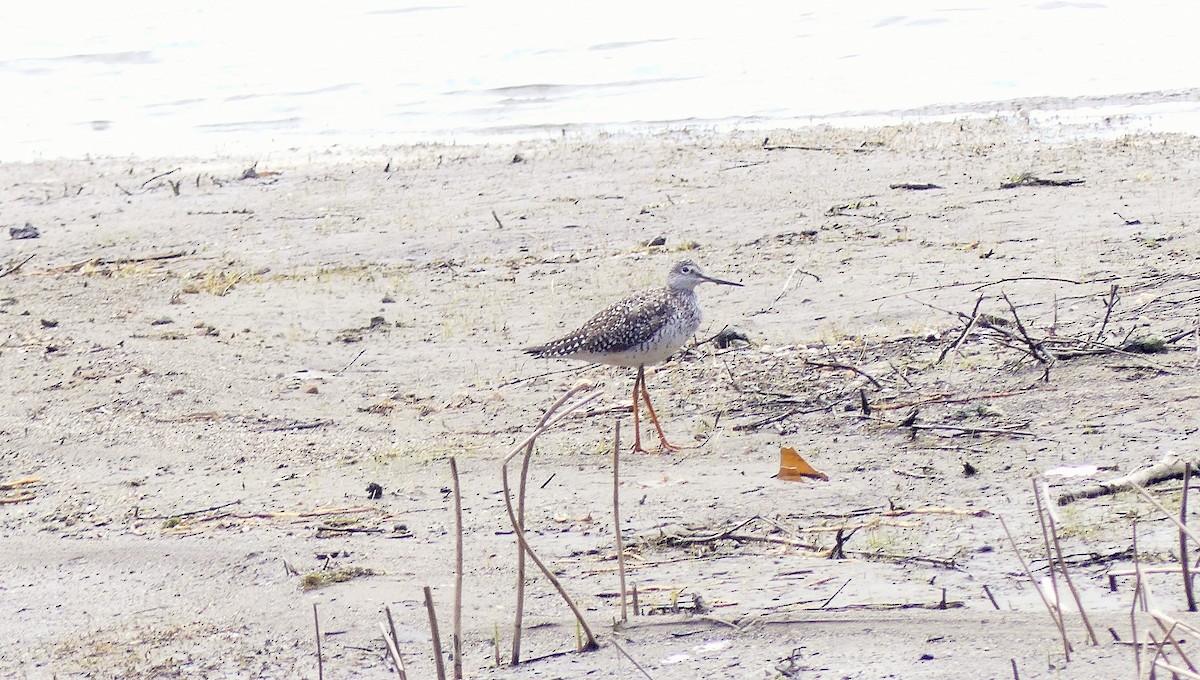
(644, 328)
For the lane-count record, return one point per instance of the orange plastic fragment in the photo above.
(793, 468)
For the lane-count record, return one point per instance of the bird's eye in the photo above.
(686, 270)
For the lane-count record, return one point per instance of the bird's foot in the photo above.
(663, 447)
(637, 446)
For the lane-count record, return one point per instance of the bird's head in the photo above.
(686, 275)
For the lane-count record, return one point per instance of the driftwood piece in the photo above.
(1028, 179)
(1169, 468)
(104, 261)
(914, 186)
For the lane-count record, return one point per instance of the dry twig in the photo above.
(972, 430)
(1109, 304)
(17, 266)
(965, 331)
(394, 644)
(436, 637)
(1170, 516)
(631, 659)
(1055, 613)
(1058, 557)
(844, 367)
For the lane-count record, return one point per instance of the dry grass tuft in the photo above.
(324, 577)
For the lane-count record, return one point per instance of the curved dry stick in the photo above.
(528, 446)
(518, 529)
(547, 421)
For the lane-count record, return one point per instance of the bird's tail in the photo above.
(557, 348)
(538, 351)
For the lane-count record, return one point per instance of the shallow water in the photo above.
(126, 76)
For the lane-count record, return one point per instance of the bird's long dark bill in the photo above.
(721, 281)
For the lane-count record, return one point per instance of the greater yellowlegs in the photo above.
(644, 328)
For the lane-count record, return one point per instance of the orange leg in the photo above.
(637, 428)
(662, 437)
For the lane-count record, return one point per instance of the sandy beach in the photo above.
(206, 361)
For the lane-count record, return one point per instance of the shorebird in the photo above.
(644, 328)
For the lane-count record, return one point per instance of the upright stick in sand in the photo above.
(433, 633)
(617, 515)
(1055, 612)
(456, 641)
(393, 643)
(317, 626)
(1183, 549)
(1057, 556)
